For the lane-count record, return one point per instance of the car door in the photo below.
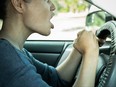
(49, 52)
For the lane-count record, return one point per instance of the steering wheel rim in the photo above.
(107, 78)
(108, 29)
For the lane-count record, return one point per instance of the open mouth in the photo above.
(52, 26)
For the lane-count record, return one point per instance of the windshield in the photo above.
(107, 5)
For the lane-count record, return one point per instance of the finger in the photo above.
(101, 41)
(77, 48)
(80, 33)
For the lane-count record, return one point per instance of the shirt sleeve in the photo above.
(16, 71)
(27, 77)
(49, 74)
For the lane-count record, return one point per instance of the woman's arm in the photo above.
(68, 68)
(87, 71)
(87, 45)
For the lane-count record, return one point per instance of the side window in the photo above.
(69, 19)
(70, 16)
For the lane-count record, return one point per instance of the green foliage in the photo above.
(96, 19)
(70, 5)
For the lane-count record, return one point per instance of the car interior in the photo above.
(54, 52)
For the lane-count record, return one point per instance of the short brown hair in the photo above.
(2, 9)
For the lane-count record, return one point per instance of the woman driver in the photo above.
(18, 68)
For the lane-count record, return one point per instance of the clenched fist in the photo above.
(85, 42)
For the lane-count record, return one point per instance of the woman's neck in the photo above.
(15, 33)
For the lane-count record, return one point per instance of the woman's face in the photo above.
(37, 15)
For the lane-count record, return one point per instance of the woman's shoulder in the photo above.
(4, 45)
(7, 51)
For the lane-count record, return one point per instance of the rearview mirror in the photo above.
(96, 19)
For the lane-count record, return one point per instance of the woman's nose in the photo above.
(52, 8)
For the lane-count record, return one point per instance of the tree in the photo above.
(70, 5)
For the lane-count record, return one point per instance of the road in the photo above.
(66, 27)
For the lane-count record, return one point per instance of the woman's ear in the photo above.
(18, 5)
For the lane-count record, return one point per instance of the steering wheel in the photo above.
(108, 75)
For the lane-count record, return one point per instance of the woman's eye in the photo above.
(47, 0)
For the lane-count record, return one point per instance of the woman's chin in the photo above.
(47, 33)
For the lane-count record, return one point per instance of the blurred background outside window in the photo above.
(68, 20)
(70, 16)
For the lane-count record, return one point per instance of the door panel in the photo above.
(55, 52)
(48, 52)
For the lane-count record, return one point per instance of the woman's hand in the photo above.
(86, 42)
